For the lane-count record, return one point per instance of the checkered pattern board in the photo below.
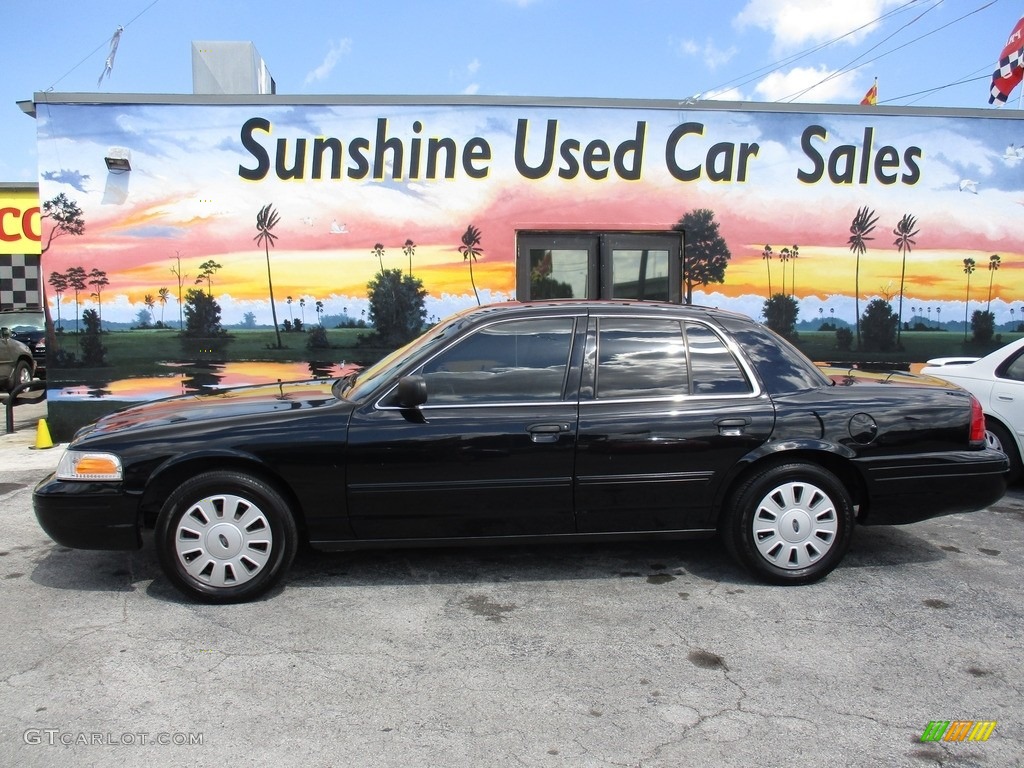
(20, 282)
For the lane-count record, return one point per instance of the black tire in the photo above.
(789, 523)
(999, 438)
(225, 537)
(21, 374)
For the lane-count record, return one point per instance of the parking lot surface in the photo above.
(662, 654)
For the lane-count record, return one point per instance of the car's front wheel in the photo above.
(21, 374)
(789, 523)
(225, 537)
(997, 437)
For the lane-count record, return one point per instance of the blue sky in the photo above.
(814, 51)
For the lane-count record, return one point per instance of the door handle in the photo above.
(547, 433)
(1004, 398)
(731, 427)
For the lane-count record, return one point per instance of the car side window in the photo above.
(1015, 370)
(640, 357)
(513, 361)
(713, 369)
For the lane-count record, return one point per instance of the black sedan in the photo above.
(523, 423)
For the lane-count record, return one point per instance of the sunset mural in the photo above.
(347, 176)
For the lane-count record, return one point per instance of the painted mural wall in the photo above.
(363, 187)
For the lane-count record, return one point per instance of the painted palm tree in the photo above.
(181, 277)
(905, 233)
(794, 254)
(766, 254)
(470, 249)
(206, 272)
(150, 301)
(861, 227)
(98, 280)
(288, 300)
(76, 277)
(266, 220)
(409, 250)
(162, 296)
(59, 282)
(302, 308)
(993, 264)
(320, 312)
(969, 265)
(784, 256)
(378, 252)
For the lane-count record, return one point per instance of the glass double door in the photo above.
(619, 265)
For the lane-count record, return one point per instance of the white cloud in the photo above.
(468, 74)
(712, 56)
(334, 54)
(821, 84)
(794, 23)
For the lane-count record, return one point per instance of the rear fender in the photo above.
(837, 459)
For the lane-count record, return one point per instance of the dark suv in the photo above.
(29, 327)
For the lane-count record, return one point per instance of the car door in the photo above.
(1007, 401)
(8, 354)
(490, 452)
(666, 410)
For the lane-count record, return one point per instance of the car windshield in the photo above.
(22, 322)
(366, 382)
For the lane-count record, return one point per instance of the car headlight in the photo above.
(89, 465)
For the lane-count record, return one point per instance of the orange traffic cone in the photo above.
(43, 435)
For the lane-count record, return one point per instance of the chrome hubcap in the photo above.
(795, 525)
(223, 541)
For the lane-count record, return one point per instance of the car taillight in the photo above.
(977, 421)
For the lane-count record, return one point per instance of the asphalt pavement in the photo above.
(648, 655)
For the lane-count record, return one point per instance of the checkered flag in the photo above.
(1011, 67)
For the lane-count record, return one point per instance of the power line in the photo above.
(775, 66)
(845, 68)
(930, 91)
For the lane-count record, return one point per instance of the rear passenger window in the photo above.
(640, 357)
(655, 357)
(713, 369)
(1015, 370)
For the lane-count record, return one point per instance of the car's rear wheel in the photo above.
(789, 523)
(999, 438)
(225, 537)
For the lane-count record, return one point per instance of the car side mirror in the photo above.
(5, 333)
(412, 391)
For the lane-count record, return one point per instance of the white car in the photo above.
(997, 380)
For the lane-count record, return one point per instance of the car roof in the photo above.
(600, 306)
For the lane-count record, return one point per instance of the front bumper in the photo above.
(88, 515)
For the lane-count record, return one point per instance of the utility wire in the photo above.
(775, 66)
(848, 66)
(105, 43)
(929, 91)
